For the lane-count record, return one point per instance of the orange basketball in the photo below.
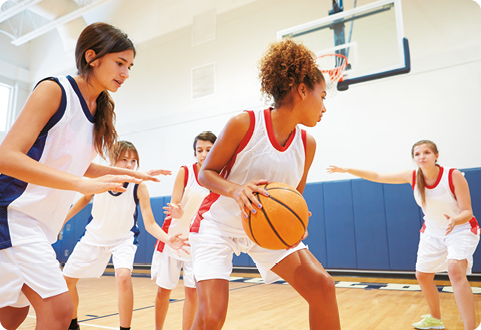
(282, 220)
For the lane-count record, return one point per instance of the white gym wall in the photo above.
(372, 125)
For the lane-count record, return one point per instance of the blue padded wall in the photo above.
(316, 241)
(372, 250)
(355, 224)
(403, 223)
(339, 220)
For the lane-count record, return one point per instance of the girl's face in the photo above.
(202, 149)
(111, 70)
(424, 156)
(127, 160)
(313, 104)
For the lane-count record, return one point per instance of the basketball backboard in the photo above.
(371, 37)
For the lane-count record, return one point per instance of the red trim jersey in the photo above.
(193, 196)
(441, 200)
(259, 156)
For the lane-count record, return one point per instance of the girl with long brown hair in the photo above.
(64, 124)
(450, 233)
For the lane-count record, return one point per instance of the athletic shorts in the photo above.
(90, 260)
(33, 264)
(434, 252)
(212, 256)
(166, 270)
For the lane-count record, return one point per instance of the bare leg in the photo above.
(53, 313)
(12, 317)
(462, 292)
(307, 276)
(73, 292)
(162, 301)
(430, 291)
(190, 308)
(126, 296)
(213, 303)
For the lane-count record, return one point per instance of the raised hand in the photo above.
(178, 243)
(175, 211)
(334, 169)
(104, 183)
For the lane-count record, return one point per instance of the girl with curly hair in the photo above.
(254, 148)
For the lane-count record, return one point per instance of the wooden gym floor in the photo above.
(254, 305)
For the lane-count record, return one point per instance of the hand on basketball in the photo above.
(175, 211)
(178, 243)
(334, 169)
(244, 196)
(451, 224)
(303, 238)
(104, 183)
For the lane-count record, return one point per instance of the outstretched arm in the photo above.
(174, 209)
(175, 242)
(39, 108)
(97, 170)
(461, 190)
(220, 154)
(396, 178)
(78, 206)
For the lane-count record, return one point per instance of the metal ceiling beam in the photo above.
(17, 9)
(54, 24)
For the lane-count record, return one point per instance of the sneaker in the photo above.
(429, 322)
(76, 328)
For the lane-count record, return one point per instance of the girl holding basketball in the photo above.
(167, 262)
(450, 233)
(256, 147)
(64, 124)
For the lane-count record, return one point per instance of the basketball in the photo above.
(282, 220)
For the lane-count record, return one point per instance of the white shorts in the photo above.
(434, 252)
(166, 270)
(212, 256)
(35, 265)
(90, 261)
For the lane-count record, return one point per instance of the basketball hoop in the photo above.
(332, 66)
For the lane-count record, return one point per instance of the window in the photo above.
(5, 92)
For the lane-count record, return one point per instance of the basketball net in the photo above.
(332, 66)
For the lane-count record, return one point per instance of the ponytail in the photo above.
(421, 185)
(104, 124)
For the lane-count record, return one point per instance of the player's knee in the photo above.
(321, 285)
(190, 294)
(123, 279)
(212, 317)
(456, 273)
(12, 320)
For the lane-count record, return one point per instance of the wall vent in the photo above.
(203, 81)
(203, 28)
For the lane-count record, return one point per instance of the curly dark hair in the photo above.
(285, 64)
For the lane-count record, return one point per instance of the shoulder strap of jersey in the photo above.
(186, 175)
(451, 183)
(304, 140)
(414, 179)
(228, 167)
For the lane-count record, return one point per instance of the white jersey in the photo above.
(259, 156)
(440, 200)
(193, 196)
(114, 218)
(31, 213)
